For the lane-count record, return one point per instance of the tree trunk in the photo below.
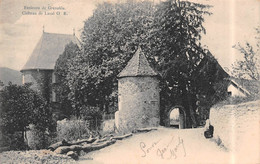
(25, 137)
(101, 107)
(22, 140)
(192, 113)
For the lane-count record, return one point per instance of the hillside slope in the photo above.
(7, 74)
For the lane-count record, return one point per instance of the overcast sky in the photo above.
(232, 21)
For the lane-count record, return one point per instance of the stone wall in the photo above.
(138, 100)
(237, 127)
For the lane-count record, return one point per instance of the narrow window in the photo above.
(54, 96)
(23, 79)
(53, 77)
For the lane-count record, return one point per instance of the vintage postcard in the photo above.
(130, 81)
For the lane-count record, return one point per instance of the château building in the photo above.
(39, 68)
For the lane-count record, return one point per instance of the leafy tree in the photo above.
(110, 37)
(61, 71)
(19, 107)
(176, 44)
(168, 33)
(249, 67)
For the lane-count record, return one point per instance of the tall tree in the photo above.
(110, 37)
(61, 70)
(176, 44)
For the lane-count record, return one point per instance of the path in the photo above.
(165, 145)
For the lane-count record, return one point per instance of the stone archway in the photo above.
(175, 118)
(181, 117)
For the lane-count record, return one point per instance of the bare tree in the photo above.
(249, 66)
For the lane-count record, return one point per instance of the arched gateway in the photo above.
(176, 116)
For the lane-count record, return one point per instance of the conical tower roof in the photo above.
(137, 66)
(47, 51)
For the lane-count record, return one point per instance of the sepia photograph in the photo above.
(130, 81)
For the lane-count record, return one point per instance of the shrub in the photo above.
(39, 139)
(12, 141)
(19, 107)
(72, 129)
(108, 126)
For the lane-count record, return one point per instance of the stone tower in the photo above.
(138, 95)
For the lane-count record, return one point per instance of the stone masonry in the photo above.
(138, 95)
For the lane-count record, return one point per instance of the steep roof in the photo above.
(249, 87)
(47, 50)
(137, 66)
(209, 59)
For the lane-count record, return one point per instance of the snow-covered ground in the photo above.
(237, 126)
(166, 145)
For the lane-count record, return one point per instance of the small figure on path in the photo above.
(208, 133)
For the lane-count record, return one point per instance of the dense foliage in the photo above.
(169, 33)
(110, 37)
(61, 70)
(19, 107)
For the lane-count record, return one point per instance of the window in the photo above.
(27, 78)
(54, 99)
(23, 79)
(53, 77)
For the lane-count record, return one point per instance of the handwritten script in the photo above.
(171, 150)
(146, 150)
